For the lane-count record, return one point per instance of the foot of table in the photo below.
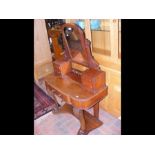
(88, 122)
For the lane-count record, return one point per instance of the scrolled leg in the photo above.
(96, 110)
(80, 115)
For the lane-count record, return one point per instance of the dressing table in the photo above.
(79, 90)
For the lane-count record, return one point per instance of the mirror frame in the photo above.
(85, 44)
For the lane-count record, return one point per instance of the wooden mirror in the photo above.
(77, 47)
(69, 43)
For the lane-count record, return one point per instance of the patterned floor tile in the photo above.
(66, 124)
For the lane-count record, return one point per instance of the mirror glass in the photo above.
(73, 37)
(73, 40)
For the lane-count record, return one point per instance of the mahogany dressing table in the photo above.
(78, 90)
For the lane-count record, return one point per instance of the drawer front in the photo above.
(51, 91)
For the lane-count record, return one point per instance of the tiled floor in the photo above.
(66, 124)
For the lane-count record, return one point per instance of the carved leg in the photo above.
(96, 110)
(56, 108)
(51, 92)
(82, 122)
(80, 115)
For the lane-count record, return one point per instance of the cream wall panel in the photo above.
(42, 53)
(41, 46)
